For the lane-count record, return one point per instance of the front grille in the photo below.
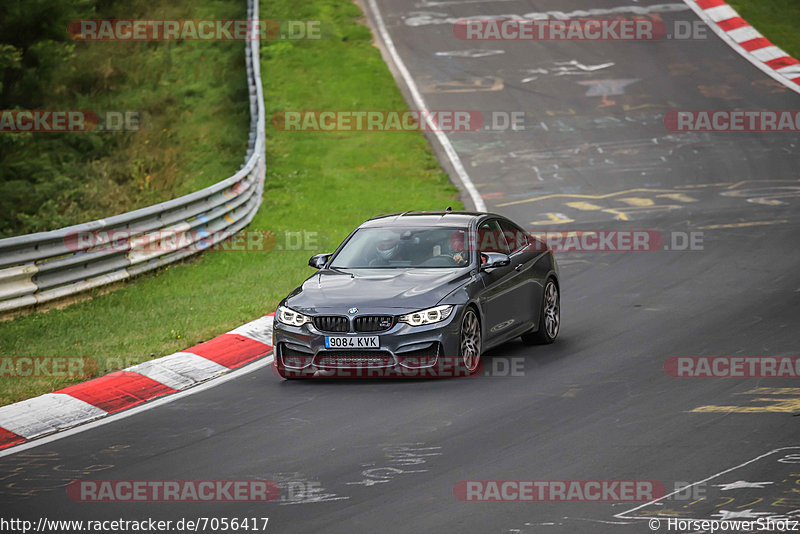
(293, 357)
(353, 358)
(288, 351)
(374, 323)
(332, 323)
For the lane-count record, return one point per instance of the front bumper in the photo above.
(301, 350)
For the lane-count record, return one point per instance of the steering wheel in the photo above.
(440, 261)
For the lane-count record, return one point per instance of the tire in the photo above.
(549, 317)
(470, 341)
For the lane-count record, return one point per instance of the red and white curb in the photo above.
(742, 37)
(114, 392)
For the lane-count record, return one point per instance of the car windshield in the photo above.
(397, 247)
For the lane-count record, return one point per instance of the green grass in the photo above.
(193, 95)
(319, 182)
(777, 20)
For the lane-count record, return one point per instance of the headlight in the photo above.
(291, 317)
(429, 316)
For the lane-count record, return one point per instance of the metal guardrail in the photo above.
(45, 266)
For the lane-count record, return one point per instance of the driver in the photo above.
(386, 250)
(457, 248)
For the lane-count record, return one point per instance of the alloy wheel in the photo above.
(471, 340)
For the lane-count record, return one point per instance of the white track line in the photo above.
(420, 103)
(619, 515)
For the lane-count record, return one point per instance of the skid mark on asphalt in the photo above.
(645, 153)
(606, 161)
(574, 122)
(469, 85)
(471, 53)
(28, 474)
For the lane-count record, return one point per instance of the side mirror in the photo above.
(319, 261)
(490, 260)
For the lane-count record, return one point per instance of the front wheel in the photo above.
(549, 318)
(471, 340)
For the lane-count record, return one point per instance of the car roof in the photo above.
(426, 218)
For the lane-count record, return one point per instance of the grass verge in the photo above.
(192, 94)
(777, 20)
(325, 183)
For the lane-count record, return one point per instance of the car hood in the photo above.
(376, 291)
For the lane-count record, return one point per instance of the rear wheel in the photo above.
(471, 340)
(549, 318)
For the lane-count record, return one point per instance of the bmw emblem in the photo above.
(352, 311)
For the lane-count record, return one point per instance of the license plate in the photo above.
(351, 342)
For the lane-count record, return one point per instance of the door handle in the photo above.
(519, 267)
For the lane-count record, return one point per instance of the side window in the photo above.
(515, 236)
(490, 237)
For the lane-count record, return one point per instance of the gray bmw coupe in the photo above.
(418, 294)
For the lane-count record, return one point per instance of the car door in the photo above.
(525, 252)
(500, 303)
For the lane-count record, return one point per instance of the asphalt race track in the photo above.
(378, 456)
